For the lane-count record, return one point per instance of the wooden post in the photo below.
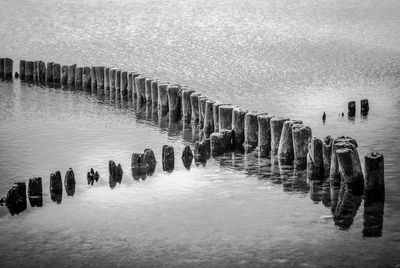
(352, 109)
(56, 188)
(49, 73)
(147, 90)
(78, 78)
(140, 84)
(118, 84)
(1, 68)
(42, 72)
(64, 75)
(250, 131)
(364, 107)
(337, 143)
(21, 69)
(326, 154)
(139, 171)
(350, 170)
(56, 74)
(71, 76)
(168, 158)
(107, 81)
(113, 73)
(208, 119)
(200, 152)
(315, 160)
(276, 132)
(99, 80)
(238, 117)
(186, 107)
(93, 80)
(264, 134)
(29, 71)
(225, 117)
(35, 72)
(187, 157)
(301, 136)
(35, 192)
(202, 110)
(162, 99)
(149, 160)
(130, 85)
(285, 151)
(173, 103)
(124, 84)
(8, 68)
(69, 182)
(86, 78)
(154, 95)
(227, 138)
(216, 106)
(217, 143)
(194, 103)
(15, 199)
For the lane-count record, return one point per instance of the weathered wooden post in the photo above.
(168, 158)
(301, 136)
(115, 173)
(78, 78)
(69, 182)
(15, 199)
(217, 143)
(93, 80)
(250, 131)
(216, 106)
(337, 143)
(149, 160)
(49, 73)
(186, 107)
(285, 151)
(35, 71)
(35, 192)
(86, 79)
(163, 105)
(194, 103)
(364, 107)
(64, 75)
(352, 109)
(56, 74)
(8, 68)
(118, 84)
(276, 132)
(326, 154)
(154, 95)
(1, 68)
(29, 71)
(350, 170)
(225, 117)
(315, 160)
(147, 90)
(139, 170)
(100, 80)
(238, 117)
(42, 72)
(374, 195)
(187, 157)
(134, 89)
(208, 119)
(130, 86)
(200, 152)
(174, 102)
(202, 110)
(21, 70)
(71, 76)
(264, 134)
(124, 84)
(107, 81)
(56, 188)
(113, 73)
(140, 84)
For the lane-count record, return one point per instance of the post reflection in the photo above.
(346, 208)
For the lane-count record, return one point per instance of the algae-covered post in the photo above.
(276, 132)
(238, 117)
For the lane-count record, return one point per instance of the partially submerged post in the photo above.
(301, 136)
(35, 192)
(202, 110)
(107, 81)
(200, 152)
(113, 73)
(364, 107)
(186, 107)
(326, 154)
(124, 84)
(8, 68)
(285, 151)
(86, 78)
(264, 134)
(187, 157)
(194, 103)
(118, 84)
(154, 95)
(149, 161)
(238, 118)
(138, 167)
(56, 188)
(35, 71)
(134, 89)
(56, 74)
(1, 68)
(216, 106)
(225, 117)
(276, 132)
(78, 78)
(21, 69)
(174, 103)
(352, 108)
(350, 170)
(162, 99)
(42, 72)
(208, 119)
(100, 80)
(15, 199)
(49, 73)
(71, 76)
(115, 173)
(147, 90)
(315, 166)
(217, 143)
(140, 88)
(168, 158)
(93, 80)
(69, 182)
(250, 131)
(29, 71)
(64, 75)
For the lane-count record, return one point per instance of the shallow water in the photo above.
(296, 60)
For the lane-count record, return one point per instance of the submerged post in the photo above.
(225, 117)
(315, 160)
(350, 170)
(217, 143)
(42, 72)
(56, 188)
(113, 73)
(168, 158)
(107, 81)
(118, 84)
(352, 108)
(1, 68)
(364, 107)
(147, 90)
(202, 109)
(69, 182)
(238, 117)
(187, 157)
(276, 132)
(93, 80)
(173, 103)
(35, 192)
(326, 154)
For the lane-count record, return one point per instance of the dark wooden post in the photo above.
(301, 136)
(21, 70)
(264, 134)
(276, 132)
(49, 73)
(285, 151)
(238, 117)
(86, 78)
(162, 99)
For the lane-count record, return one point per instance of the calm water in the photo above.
(294, 59)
